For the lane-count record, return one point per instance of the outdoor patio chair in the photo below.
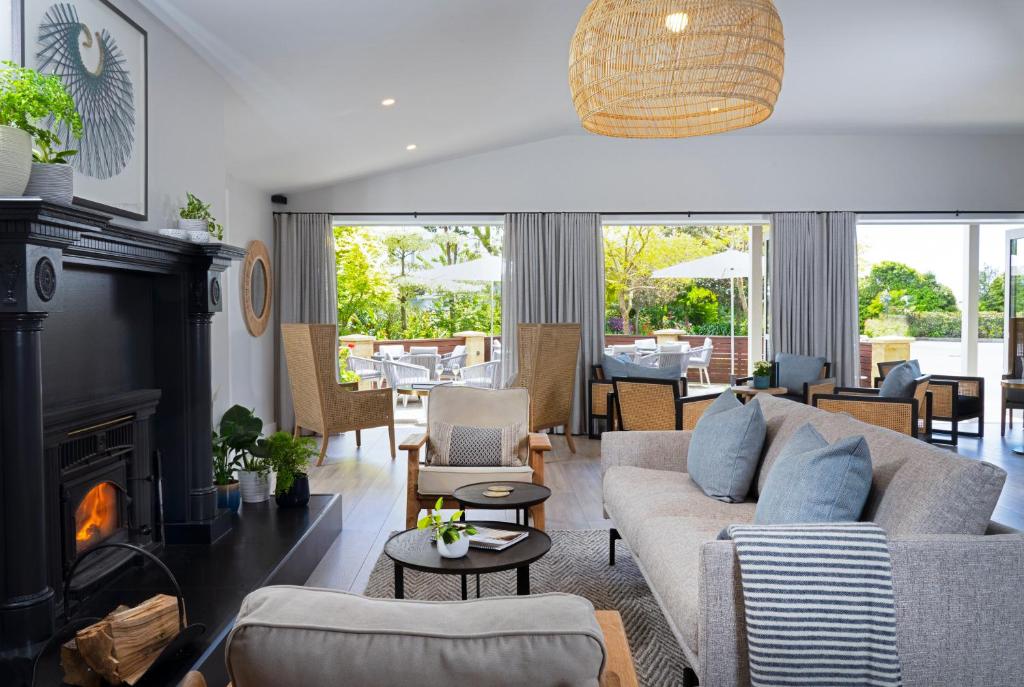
(401, 374)
(321, 403)
(420, 350)
(495, 349)
(911, 415)
(663, 358)
(627, 349)
(391, 351)
(431, 361)
(955, 399)
(483, 375)
(465, 406)
(369, 370)
(547, 358)
(700, 359)
(452, 362)
(676, 347)
(646, 344)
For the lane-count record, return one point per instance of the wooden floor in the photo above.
(373, 489)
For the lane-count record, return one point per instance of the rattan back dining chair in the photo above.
(910, 415)
(643, 404)
(322, 405)
(600, 391)
(547, 357)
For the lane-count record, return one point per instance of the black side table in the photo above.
(416, 549)
(524, 495)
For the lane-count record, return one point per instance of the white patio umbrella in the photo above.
(728, 264)
(485, 269)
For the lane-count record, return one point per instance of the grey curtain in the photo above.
(814, 289)
(554, 272)
(306, 280)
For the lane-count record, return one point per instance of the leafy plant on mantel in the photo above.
(26, 96)
(449, 532)
(197, 209)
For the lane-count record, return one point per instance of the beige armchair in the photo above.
(548, 355)
(321, 403)
(468, 406)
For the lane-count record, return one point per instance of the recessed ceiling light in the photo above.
(387, 102)
(411, 146)
(715, 109)
(677, 23)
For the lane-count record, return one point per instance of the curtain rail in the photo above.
(680, 213)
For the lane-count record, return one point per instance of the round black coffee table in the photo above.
(524, 495)
(416, 550)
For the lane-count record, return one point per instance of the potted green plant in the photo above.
(197, 219)
(762, 374)
(52, 176)
(228, 495)
(452, 537)
(26, 96)
(240, 429)
(289, 456)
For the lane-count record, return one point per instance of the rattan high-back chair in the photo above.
(322, 405)
(643, 404)
(548, 355)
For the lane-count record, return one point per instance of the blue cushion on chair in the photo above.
(797, 370)
(899, 383)
(618, 369)
(725, 448)
(814, 481)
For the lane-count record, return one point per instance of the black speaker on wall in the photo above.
(279, 199)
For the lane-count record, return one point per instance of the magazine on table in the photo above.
(493, 539)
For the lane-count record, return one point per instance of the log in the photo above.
(121, 647)
(76, 670)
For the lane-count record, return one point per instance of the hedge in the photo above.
(933, 325)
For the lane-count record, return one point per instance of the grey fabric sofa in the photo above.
(958, 578)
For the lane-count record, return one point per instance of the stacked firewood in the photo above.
(121, 647)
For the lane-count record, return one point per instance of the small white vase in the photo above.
(15, 160)
(53, 183)
(457, 549)
(193, 225)
(255, 487)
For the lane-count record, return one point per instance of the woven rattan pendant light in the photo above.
(675, 68)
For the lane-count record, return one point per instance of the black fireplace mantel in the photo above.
(88, 310)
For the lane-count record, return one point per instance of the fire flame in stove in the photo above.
(96, 516)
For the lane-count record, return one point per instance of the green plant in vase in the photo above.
(196, 216)
(762, 374)
(240, 431)
(452, 536)
(224, 475)
(26, 99)
(289, 457)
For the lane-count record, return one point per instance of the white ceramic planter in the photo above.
(254, 487)
(457, 549)
(15, 160)
(193, 224)
(53, 183)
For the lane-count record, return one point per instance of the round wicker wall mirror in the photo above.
(257, 288)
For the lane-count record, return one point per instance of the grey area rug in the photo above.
(578, 564)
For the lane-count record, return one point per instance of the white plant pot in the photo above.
(15, 160)
(193, 224)
(255, 488)
(457, 549)
(53, 183)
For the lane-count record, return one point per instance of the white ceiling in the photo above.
(473, 75)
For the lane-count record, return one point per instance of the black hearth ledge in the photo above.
(266, 546)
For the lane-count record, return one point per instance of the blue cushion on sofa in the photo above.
(797, 370)
(899, 383)
(618, 369)
(725, 448)
(814, 481)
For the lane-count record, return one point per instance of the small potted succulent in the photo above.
(224, 465)
(452, 537)
(289, 456)
(26, 97)
(240, 429)
(762, 374)
(198, 221)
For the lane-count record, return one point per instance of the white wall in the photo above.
(730, 173)
(186, 153)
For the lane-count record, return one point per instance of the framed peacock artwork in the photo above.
(102, 57)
